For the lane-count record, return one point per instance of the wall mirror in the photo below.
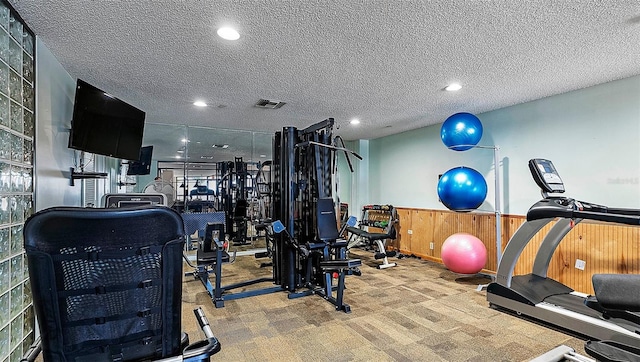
(189, 158)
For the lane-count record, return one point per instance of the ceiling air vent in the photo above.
(265, 103)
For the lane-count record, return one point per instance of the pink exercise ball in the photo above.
(464, 253)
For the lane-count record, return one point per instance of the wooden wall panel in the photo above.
(403, 240)
(605, 248)
(422, 225)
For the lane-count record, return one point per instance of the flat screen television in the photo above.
(143, 165)
(105, 125)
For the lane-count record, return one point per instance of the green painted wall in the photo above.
(592, 135)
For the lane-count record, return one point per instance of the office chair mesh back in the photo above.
(106, 283)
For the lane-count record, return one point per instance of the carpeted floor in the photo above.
(417, 311)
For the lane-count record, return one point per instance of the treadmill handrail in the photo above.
(552, 207)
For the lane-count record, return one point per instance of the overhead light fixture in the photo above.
(199, 104)
(355, 121)
(225, 146)
(184, 140)
(453, 87)
(263, 156)
(228, 33)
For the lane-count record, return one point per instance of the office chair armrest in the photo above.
(34, 350)
(202, 350)
(198, 351)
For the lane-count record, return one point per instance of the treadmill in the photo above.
(612, 315)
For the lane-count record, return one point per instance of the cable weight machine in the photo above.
(309, 256)
(309, 252)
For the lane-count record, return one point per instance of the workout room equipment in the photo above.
(232, 198)
(309, 250)
(304, 243)
(562, 353)
(382, 217)
(107, 285)
(134, 199)
(602, 351)
(611, 318)
(211, 254)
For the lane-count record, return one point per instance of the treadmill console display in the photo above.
(545, 175)
(133, 199)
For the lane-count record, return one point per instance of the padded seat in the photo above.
(210, 257)
(617, 291)
(372, 236)
(340, 265)
(611, 351)
(616, 296)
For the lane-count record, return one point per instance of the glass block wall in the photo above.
(17, 122)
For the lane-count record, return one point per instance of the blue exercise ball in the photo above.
(462, 189)
(461, 131)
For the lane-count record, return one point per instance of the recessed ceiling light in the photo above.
(453, 87)
(228, 33)
(263, 156)
(225, 146)
(184, 140)
(355, 121)
(199, 104)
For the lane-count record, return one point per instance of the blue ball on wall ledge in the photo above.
(461, 131)
(462, 189)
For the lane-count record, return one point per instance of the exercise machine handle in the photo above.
(203, 322)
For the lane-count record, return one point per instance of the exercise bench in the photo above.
(376, 216)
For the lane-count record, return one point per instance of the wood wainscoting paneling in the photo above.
(605, 248)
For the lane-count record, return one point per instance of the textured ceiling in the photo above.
(383, 62)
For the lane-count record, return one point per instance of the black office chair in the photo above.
(106, 285)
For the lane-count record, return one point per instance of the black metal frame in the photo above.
(231, 188)
(303, 258)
